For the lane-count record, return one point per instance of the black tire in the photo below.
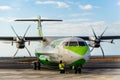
(35, 66)
(79, 70)
(39, 65)
(76, 69)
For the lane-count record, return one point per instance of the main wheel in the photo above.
(34, 65)
(78, 69)
(38, 65)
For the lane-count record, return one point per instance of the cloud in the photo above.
(87, 7)
(69, 28)
(5, 8)
(60, 29)
(116, 23)
(7, 19)
(77, 20)
(59, 4)
(81, 14)
(118, 3)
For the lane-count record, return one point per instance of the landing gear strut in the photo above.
(36, 66)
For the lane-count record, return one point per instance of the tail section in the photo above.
(39, 20)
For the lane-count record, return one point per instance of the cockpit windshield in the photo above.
(82, 43)
(75, 43)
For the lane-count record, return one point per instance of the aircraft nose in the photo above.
(80, 50)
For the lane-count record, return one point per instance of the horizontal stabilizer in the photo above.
(37, 20)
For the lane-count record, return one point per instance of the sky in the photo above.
(78, 17)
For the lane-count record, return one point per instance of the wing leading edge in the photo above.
(7, 38)
(102, 38)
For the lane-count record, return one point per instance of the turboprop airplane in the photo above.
(73, 51)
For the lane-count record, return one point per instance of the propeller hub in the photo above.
(97, 41)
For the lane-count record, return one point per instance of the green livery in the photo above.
(80, 50)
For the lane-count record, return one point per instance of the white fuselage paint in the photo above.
(57, 53)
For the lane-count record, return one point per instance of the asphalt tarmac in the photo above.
(21, 69)
(87, 74)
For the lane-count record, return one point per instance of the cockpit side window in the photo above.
(66, 43)
(55, 43)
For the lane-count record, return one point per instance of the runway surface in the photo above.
(26, 62)
(97, 68)
(87, 74)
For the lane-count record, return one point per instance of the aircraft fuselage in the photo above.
(72, 51)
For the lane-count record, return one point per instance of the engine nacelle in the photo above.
(93, 42)
(21, 46)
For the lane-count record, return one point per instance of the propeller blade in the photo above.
(102, 51)
(28, 42)
(92, 49)
(16, 52)
(15, 32)
(28, 51)
(26, 31)
(103, 33)
(94, 34)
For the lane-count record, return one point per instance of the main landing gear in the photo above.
(36, 66)
(78, 69)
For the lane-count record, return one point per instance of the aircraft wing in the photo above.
(110, 37)
(7, 38)
(87, 38)
(33, 38)
(102, 38)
